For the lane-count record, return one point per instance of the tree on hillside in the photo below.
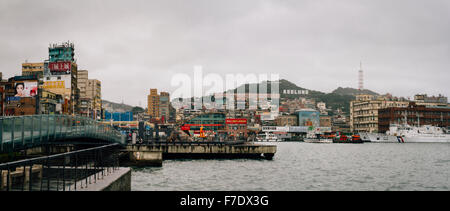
(137, 110)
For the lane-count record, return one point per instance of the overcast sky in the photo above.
(132, 46)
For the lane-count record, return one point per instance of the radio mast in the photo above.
(361, 78)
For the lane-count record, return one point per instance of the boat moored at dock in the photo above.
(343, 139)
(312, 137)
(411, 134)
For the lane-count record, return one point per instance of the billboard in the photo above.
(268, 116)
(58, 84)
(236, 121)
(54, 85)
(118, 117)
(295, 92)
(275, 129)
(298, 129)
(185, 128)
(60, 67)
(25, 89)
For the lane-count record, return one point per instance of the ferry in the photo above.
(316, 138)
(267, 137)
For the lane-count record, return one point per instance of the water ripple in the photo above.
(302, 166)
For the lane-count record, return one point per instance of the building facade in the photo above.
(153, 103)
(90, 95)
(33, 69)
(2, 99)
(212, 122)
(414, 115)
(94, 94)
(423, 99)
(325, 121)
(83, 77)
(340, 123)
(82, 86)
(288, 120)
(61, 52)
(164, 106)
(20, 96)
(236, 127)
(50, 103)
(364, 111)
(61, 74)
(308, 117)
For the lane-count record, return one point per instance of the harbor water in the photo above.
(299, 166)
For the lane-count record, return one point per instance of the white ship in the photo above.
(318, 140)
(312, 137)
(267, 137)
(411, 134)
(380, 137)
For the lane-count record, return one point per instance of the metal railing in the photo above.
(69, 171)
(21, 132)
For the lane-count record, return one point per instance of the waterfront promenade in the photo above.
(60, 153)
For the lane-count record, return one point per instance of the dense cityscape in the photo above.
(56, 86)
(224, 104)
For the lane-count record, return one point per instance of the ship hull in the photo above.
(428, 139)
(321, 141)
(383, 138)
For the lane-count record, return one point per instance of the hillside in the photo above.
(338, 99)
(116, 107)
(283, 85)
(352, 91)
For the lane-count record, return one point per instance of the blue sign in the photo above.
(125, 116)
(13, 99)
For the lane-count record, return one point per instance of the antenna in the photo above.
(361, 78)
(418, 119)
(405, 115)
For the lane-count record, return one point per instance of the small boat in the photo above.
(355, 139)
(267, 137)
(316, 138)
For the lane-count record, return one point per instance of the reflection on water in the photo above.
(304, 166)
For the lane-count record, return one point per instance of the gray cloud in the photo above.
(132, 46)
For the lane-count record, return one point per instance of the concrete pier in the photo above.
(142, 157)
(145, 154)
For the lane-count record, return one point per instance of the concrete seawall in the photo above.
(146, 153)
(120, 180)
(141, 158)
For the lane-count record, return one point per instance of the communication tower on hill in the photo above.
(361, 78)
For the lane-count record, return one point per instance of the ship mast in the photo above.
(406, 118)
(418, 119)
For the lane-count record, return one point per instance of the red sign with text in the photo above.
(60, 67)
(204, 125)
(236, 121)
